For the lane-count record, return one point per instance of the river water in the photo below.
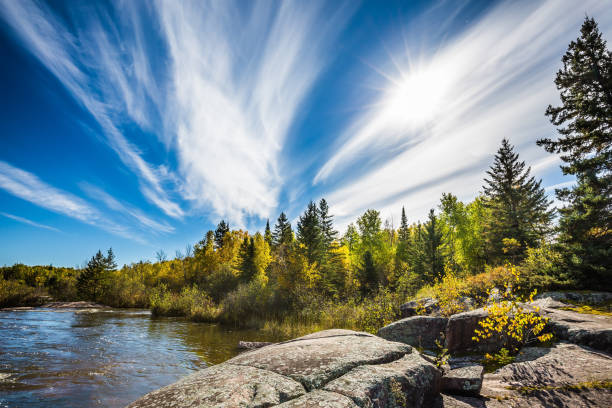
(69, 358)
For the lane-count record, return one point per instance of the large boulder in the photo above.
(316, 359)
(460, 331)
(409, 382)
(566, 375)
(418, 331)
(463, 378)
(588, 329)
(224, 386)
(423, 306)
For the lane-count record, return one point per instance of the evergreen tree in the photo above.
(368, 276)
(283, 234)
(519, 206)
(246, 260)
(222, 229)
(327, 224)
(309, 233)
(432, 248)
(403, 243)
(584, 122)
(90, 283)
(268, 234)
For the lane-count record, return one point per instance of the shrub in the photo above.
(190, 302)
(15, 293)
(510, 322)
(379, 311)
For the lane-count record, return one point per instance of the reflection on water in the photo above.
(102, 358)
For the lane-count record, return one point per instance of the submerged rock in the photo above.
(418, 331)
(225, 386)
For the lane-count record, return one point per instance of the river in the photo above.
(84, 358)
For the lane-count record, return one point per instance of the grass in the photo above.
(587, 385)
(603, 309)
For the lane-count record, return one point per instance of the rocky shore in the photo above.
(343, 368)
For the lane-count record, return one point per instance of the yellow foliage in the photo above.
(509, 320)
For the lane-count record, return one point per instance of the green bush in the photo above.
(15, 293)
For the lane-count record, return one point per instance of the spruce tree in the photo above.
(520, 209)
(222, 229)
(268, 234)
(584, 122)
(309, 233)
(433, 257)
(403, 243)
(283, 234)
(327, 224)
(246, 260)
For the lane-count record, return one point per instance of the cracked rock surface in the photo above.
(225, 386)
(332, 368)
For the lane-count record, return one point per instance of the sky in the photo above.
(139, 125)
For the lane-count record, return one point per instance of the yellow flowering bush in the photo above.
(509, 320)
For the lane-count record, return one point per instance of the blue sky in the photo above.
(140, 124)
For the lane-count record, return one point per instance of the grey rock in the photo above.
(418, 331)
(580, 297)
(556, 398)
(224, 386)
(420, 306)
(548, 373)
(580, 328)
(316, 359)
(320, 399)
(460, 330)
(409, 382)
(463, 379)
(74, 305)
(456, 401)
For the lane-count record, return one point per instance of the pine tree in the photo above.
(268, 234)
(246, 260)
(90, 282)
(222, 229)
(432, 255)
(519, 206)
(327, 224)
(584, 121)
(309, 233)
(283, 234)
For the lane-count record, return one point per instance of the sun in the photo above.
(415, 99)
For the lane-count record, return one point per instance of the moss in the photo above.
(587, 385)
(604, 309)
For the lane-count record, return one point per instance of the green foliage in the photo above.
(379, 310)
(519, 207)
(494, 361)
(585, 144)
(93, 279)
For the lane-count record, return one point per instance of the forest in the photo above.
(293, 278)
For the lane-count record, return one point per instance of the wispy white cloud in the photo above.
(238, 80)
(115, 205)
(28, 222)
(446, 113)
(29, 187)
(101, 78)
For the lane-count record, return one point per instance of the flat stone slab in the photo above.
(418, 331)
(320, 399)
(548, 370)
(224, 386)
(581, 328)
(316, 359)
(463, 379)
(455, 401)
(407, 382)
